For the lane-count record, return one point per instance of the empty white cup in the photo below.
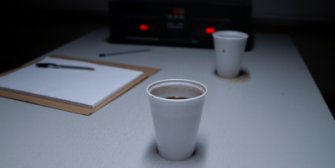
(229, 48)
(176, 121)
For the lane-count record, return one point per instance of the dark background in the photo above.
(32, 28)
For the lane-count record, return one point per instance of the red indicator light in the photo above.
(210, 30)
(175, 11)
(144, 27)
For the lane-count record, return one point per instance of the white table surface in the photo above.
(276, 119)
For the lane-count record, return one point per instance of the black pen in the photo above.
(123, 52)
(52, 65)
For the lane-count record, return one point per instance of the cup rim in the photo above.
(241, 35)
(176, 80)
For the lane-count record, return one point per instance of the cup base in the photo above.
(228, 74)
(174, 158)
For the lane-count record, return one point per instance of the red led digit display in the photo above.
(144, 27)
(175, 11)
(210, 30)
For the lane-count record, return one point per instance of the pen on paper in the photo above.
(52, 65)
(123, 52)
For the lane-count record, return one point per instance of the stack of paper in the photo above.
(84, 88)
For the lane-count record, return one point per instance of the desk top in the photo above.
(274, 117)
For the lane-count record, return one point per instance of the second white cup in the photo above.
(229, 48)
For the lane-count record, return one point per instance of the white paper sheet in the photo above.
(79, 87)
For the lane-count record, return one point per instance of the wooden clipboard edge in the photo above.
(147, 72)
(45, 102)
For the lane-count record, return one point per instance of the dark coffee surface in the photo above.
(174, 91)
(176, 97)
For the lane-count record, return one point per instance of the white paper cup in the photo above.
(176, 121)
(229, 48)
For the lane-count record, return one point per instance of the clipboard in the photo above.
(147, 72)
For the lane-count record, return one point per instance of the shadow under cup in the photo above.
(176, 108)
